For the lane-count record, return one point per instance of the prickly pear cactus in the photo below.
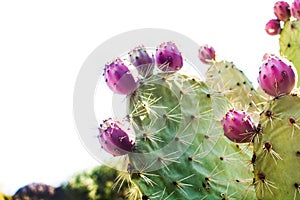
(180, 151)
(276, 155)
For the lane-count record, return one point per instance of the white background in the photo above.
(44, 43)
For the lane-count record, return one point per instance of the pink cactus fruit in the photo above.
(282, 10)
(168, 57)
(119, 78)
(113, 139)
(276, 76)
(273, 27)
(238, 126)
(143, 62)
(296, 9)
(207, 54)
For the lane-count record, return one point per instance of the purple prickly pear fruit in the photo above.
(296, 9)
(207, 54)
(276, 77)
(273, 27)
(142, 61)
(282, 10)
(168, 57)
(119, 78)
(238, 126)
(113, 139)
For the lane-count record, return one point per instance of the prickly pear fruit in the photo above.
(276, 77)
(273, 27)
(238, 126)
(119, 78)
(142, 61)
(282, 10)
(113, 139)
(207, 54)
(168, 57)
(296, 9)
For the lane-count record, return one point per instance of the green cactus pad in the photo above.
(225, 77)
(181, 152)
(289, 43)
(277, 150)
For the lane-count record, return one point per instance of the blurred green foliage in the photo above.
(96, 184)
